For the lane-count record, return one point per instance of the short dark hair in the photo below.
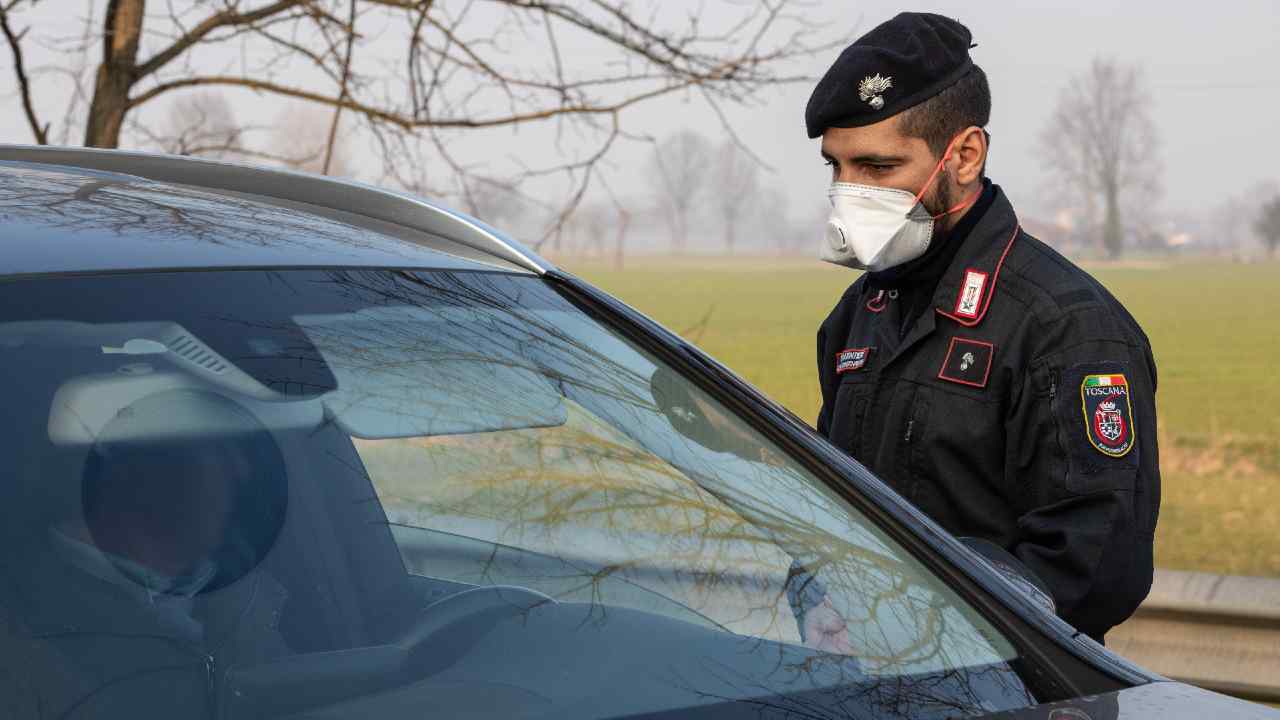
(938, 119)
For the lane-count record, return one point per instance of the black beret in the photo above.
(898, 64)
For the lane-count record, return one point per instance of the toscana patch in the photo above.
(1108, 413)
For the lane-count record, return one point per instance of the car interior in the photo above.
(372, 617)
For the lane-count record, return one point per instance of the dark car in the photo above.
(285, 446)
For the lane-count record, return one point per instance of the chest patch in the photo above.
(1108, 414)
(852, 359)
(968, 362)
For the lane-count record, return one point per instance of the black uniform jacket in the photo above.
(78, 647)
(1020, 408)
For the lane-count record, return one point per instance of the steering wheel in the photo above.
(295, 683)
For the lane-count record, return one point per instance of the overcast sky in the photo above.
(1212, 69)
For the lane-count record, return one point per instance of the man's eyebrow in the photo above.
(872, 159)
(869, 158)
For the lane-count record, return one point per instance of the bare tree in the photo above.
(304, 137)
(1267, 225)
(593, 224)
(500, 204)
(200, 123)
(771, 221)
(417, 73)
(1233, 217)
(1101, 147)
(679, 169)
(621, 228)
(737, 187)
(1229, 219)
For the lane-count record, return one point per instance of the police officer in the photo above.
(983, 376)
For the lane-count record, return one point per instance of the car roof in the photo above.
(76, 210)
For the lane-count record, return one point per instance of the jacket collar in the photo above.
(66, 599)
(964, 293)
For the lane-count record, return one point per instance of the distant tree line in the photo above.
(1267, 225)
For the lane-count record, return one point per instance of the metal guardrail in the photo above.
(1219, 632)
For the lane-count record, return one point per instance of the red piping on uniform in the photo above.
(995, 278)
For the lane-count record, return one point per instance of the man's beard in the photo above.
(939, 204)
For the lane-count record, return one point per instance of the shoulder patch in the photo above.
(852, 359)
(1108, 413)
(968, 362)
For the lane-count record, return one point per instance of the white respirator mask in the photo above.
(876, 228)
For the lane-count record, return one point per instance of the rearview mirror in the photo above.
(1013, 570)
(697, 419)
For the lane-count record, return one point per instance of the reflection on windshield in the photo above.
(489, 495)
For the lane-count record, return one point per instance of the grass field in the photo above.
(1213, 326)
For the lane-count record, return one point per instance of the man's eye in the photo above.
(881, 168)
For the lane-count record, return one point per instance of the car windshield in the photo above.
(246, 494)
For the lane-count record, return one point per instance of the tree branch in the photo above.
(408, 122)
(224, 18)
(24, 85)
(343, 93)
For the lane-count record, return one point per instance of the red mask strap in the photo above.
(973, 198)
(937, 169)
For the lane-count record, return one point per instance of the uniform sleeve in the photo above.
(836, 325)
(1083, 458)
(824, 413)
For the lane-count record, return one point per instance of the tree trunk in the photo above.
(1112, 229)
(116, 75)
(624, 222)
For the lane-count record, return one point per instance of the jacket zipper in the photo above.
(211, 684)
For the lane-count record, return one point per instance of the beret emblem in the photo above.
(872, 88)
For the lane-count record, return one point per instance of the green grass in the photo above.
(1214, 328)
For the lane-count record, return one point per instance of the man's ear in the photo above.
(969, 155)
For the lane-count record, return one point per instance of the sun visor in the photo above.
(86, 406)
(441, 397)
(414, 372)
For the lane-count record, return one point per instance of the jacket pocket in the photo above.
(849, 415)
